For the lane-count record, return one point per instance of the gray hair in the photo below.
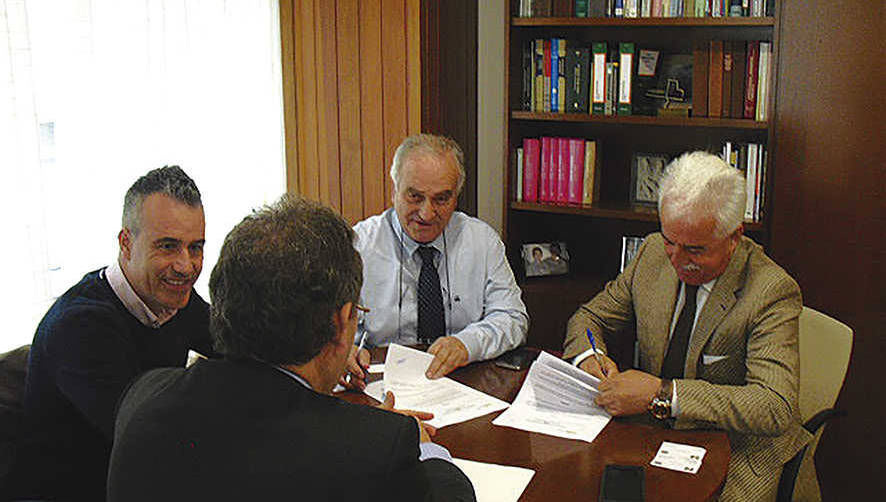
(700, 185)
(167, 180)
(428, 144)
(281, 275)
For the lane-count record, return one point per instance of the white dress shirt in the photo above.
(481, 299)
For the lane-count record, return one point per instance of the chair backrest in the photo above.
(825, 346)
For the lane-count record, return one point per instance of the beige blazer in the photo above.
(742, 364)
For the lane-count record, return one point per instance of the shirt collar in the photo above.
(409, 245)
(295, 376)
(130, 299)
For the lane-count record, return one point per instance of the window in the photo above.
(101, 91)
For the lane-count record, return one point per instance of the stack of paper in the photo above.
(557, 399)
(450, 402)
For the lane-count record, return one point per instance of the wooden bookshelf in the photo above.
(593, 233)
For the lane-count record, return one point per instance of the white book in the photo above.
(519, 174)
(750, 182)
(763, 81)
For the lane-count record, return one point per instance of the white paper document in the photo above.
(679, 457)
(557, 399)
(493, 482)
(450, 402)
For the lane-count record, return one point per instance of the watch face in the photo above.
(660, 409)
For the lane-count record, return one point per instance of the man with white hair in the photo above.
(716, 323)
(434, 275)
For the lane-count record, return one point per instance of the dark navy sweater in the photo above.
(86, 351)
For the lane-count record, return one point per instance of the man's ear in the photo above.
(124, 238)
(340, 319)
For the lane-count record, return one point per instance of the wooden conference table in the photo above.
(567, 469)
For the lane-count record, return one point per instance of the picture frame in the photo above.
(647, 170)
(629, 247)
(545, 258)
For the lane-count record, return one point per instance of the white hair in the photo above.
(428, 144)
(701, 185)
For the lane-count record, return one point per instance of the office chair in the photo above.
(822, 340)
(13, 365)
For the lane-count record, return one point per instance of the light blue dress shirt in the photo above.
(481, 299)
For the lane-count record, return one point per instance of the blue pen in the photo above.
(596, 354)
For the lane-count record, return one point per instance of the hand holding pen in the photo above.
(604, 370)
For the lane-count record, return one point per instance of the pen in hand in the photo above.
(357, 356)
(596, 354)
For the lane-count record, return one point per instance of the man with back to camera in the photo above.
(138, 313)
(716, 322)
(261, 423)
(433, 275)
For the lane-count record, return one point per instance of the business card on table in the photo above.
(679, 457)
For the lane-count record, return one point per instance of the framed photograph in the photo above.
(629, 248)
(647, 170)
(545, 258)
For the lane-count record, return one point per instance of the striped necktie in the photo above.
(431, 319)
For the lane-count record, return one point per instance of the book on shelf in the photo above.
(750, 100)
(739, 70)
(531, 159)
(598, 8)
(576, 170)
(519, 164)
(625, 74)
(538, 91)
(546, 100)
(715, 78)
(563, 8)
(555, 74)
(591, 184)
(561, 74)
(563, 168)
(578, 61)
(610, 105)
(727, 79)
(762, 110)
(700, 61)
(618, 8)
(528, 77)
(581, 8)
(544, 170)
(598, 94)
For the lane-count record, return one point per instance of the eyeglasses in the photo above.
(361, 312)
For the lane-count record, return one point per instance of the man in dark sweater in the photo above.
(137, 314)
(261, 423)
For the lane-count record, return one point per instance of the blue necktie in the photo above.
(431, 319)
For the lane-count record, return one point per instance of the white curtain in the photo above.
(97, 92)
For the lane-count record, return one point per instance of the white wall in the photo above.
(490, 110)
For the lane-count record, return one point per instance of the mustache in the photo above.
(691, 267)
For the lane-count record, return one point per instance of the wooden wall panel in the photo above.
(829, 212)
(352, 92)
(349, 102)
(394, 73)
(371, 119)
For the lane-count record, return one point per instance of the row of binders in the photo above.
(750, 158)
(726, 79)
(557, 170)
(645, 8)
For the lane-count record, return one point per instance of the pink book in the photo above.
(530, 169)
(576, 169)
(554, 170)
(563, 172)
(544, 170)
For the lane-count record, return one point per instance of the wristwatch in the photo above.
(660, 407)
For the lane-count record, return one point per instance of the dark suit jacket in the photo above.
(742, 363)
(225, 430)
